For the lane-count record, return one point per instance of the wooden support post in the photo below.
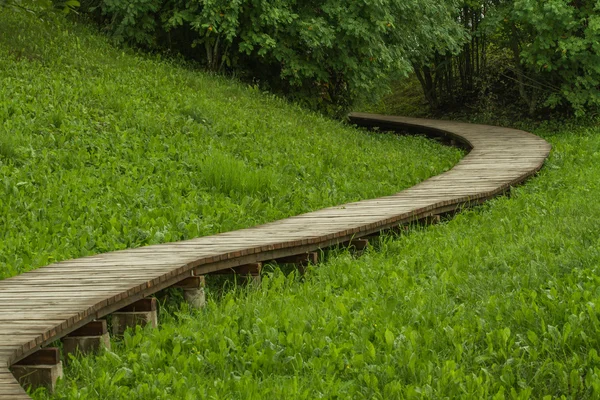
(193, 291)
(142, 312)
(41, 369)
(248, 272)
(301, 261)
(88, 339)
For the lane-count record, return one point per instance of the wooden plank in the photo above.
(143, 305)
(94, 328)
(49, 356)
(193, 282)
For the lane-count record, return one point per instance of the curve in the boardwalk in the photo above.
(41, 306)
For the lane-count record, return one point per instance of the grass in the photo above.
(500, 302)
(103, 149)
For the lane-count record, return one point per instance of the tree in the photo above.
(562, 46)
(548, 49)
(325, 53)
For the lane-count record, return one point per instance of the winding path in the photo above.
(41, 306)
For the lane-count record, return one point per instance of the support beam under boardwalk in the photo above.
(142, 312)
(88, 339)
(193, 291)
(249, 273)
(41, 369)
(301, 261)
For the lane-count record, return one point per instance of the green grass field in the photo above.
(500, 302)
(103, 149)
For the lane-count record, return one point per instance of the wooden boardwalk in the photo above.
(41, 306)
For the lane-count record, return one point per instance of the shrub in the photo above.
(563, 47)
(548, 51)
(323, 53)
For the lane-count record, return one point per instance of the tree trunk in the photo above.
(424, 76)
(514, 42)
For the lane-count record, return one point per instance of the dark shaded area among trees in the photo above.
(536, 55)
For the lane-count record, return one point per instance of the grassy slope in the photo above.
(103, 149)
(500, 302)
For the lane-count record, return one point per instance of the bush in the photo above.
(547, 51)
(563, 47)
(323, 53)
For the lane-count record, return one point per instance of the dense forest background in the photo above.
(534, 56)
(538, 54)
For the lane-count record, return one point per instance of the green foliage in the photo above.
(39, 6)
(501, 302)
(563, 48)
(323, 53)
(540, 53)
(9, 151)
(102, 149)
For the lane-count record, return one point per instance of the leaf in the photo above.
(120, 375)
(176, 350)
(389, 337)
(370, 349)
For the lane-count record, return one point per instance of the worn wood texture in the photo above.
(41, 306)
